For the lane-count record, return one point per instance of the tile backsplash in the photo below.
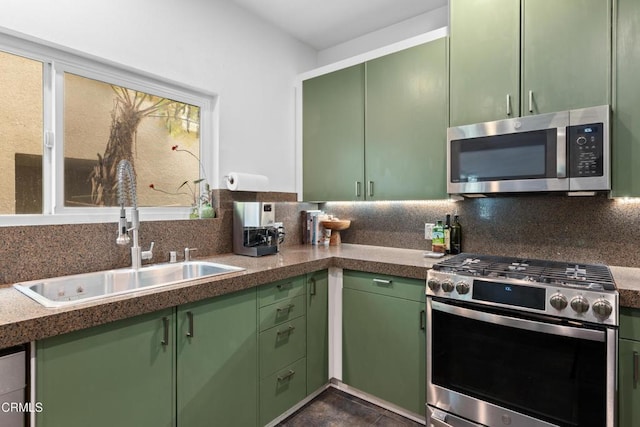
(582, 229)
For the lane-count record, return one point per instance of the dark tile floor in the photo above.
(335, 408)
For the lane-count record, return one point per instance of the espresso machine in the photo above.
(255, 232)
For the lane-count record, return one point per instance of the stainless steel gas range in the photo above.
(520, 342)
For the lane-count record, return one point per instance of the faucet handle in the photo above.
(148, 254)
(187, 253)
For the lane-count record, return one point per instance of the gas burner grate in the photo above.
(592, 276)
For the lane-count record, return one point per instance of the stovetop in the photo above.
(589, 276)
(577, 291)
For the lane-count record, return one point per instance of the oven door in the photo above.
(513, 155)
(496, 368)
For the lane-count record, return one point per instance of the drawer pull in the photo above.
(382, 281)
(190, 320)
(286, 331)
(165, 334)
(286, 376)
(312, 286)
(635, 369)
(284, 286)
(287, 308)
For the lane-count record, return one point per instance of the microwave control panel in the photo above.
(586, 150)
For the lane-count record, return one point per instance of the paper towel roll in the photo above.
(237, 181)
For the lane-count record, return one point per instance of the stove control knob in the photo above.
(462, 287)
(433, 284)
(602, 308)
(558, 301)
(447, 286)
(580, 304)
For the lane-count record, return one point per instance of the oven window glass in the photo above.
(559, 379)
(526, 155)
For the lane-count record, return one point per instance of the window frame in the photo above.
(56, 62)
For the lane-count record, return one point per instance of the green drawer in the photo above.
(280, 312)
(629, 323)
(400, 287)
(282, 390)
(282, 345)
(282, 289)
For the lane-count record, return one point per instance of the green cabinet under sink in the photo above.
(117, 374)
(138, 372)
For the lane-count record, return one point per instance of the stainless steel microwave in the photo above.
(564, 151)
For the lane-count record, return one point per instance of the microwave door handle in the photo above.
(561, 152)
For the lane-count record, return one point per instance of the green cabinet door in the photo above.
(625, 168)
(628, 389)
(333, 135)
(566, 54)
(217, 377)
(384, 347)
(406, 123)
(317, 330)
(117, 374)
(484, 60)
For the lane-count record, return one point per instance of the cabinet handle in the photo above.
(312, 286)
(287, 308)
(370, 188)
(635, 369)
(423, 319)
(508, 104)
(357, 188)
(286, 331)
(382, 281)
(190, 321)
(165, 334)
(531, 101)
(286, 376)
(284, 286)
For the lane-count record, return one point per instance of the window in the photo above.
(69, 120)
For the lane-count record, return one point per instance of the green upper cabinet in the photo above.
(333, 135)
(626, 126)
(217, 374)
(377, 131)
(484, 60)
(514, 58)
(566, 54)
(117, 374)
(405, 125)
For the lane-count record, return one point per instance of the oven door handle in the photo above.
(530, 325)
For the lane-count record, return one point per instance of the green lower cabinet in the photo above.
(217, 374)
(317, 330)
(628, 360)
(628, 388)
(383, 345)
(282, 390)
(118, 374)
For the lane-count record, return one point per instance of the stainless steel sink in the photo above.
(69, 290)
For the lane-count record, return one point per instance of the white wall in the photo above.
(209, 44)
(407, 29)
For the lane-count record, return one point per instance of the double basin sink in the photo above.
(68, 290)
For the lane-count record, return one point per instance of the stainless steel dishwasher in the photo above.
(12, 387)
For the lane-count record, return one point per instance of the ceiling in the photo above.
(326, 23)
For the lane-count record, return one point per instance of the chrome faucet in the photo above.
(125, 170)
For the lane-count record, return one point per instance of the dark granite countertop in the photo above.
(23, 320)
